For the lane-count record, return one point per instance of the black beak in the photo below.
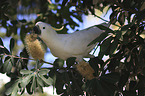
(37, 30)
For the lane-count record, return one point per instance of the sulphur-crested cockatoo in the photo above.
(68, 45)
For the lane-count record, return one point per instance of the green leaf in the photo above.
(9, 32)
(94, 87)
(7, 58)
(40, 88)
(106, 43)
(5, 50)
(61, 63)
(100, 88)
(12, 43)
(9, 91)
(14, 22)
(5, 17)
(22, 91)
(94, 64)
(66, 77)
(113, 17)
(123, 78)
(143, 70)
(64, 2)
(108, 87)
(70, 61)
(58, 63)
(22, 33)
(140, 15)
(23, 20)
(1, 62)
(33, 86)
(59, 86)
(52, 6)
(24, 54)
(1, 50)
(43, 71)
(1, 42)
(101, 54)
(7, 66)
(125, 27)
(118, 34)
(28, 88)
(15, 89)
(114, 46)
(103, 27)
(12, 89)
(26, 71)
(121, 18)
(40, 82)
(26, 80)
(111, 77)
(48, 81)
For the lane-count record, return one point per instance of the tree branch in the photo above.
(41, 61)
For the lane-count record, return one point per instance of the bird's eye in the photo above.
(43, 27)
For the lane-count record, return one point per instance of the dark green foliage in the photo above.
(123, 73)
(1, 42)
(70, 61)
(12, 42)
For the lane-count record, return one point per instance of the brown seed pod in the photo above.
(85, 70)
(34, 47)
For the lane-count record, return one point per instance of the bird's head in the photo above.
(44, 29)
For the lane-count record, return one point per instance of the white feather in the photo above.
(69, 45)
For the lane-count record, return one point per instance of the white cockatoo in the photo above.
(68, 45)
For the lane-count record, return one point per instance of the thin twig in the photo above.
(16, 57)
(45, 62)
(101, 18)
(42, 61)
